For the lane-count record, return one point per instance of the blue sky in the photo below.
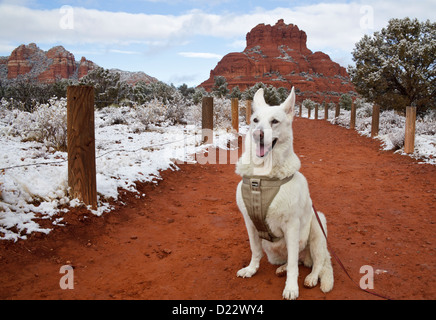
(180, 41)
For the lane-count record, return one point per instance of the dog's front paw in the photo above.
(290, 293)
(281, 271)
(311, 281)
(246, 272)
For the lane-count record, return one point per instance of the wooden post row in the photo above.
(409, 139)
(353, 116)
(375, 120)
(326, 111)
(235, 114)
(338, 110)
(248, 111)
(207, 120)
(81, 144)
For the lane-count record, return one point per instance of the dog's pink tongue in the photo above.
(260, 150)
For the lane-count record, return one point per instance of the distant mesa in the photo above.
(278, 55)
(31, 62)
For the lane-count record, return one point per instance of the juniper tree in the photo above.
(395, 67)
(220, 87)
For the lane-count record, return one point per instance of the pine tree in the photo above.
(220, 87)
(395, 67)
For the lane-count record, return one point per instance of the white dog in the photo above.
(289, 223)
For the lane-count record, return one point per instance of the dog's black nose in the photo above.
(258, 134)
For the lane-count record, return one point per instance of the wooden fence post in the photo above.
(248, 111)
(235, 114)
(353, 116)
(326, 111)
(338, 110)
(409, 140)
(207, 120)
(375, 120)
(81, 144)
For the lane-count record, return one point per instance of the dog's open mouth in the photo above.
(262, 150)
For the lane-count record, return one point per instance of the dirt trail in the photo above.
(185, 239)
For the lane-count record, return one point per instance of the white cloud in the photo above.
(203, 55)
(332, 24)
(124, 51)
(329, 26)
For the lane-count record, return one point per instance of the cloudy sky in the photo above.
(180, 41)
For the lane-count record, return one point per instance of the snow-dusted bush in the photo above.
(150, 113)
(363, 108)
(140, 117)
(113, 115)
(392, 128)
(345, 102)
(176, 109)
(309, 104)
(51, 123)
(426, 124)
(46, 124)
(222, 111)
(193, 114)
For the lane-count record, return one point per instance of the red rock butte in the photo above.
(46, 66)
(278, 55)
(30, 62)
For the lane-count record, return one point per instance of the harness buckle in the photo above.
(255, 185)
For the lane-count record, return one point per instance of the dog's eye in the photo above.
(274, 121)
(255, 120)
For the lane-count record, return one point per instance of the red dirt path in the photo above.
(185, 239)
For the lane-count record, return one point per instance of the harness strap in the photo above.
(258, 193)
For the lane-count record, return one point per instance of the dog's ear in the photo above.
(258, 100)
(289, 103)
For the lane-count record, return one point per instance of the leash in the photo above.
(340, 262)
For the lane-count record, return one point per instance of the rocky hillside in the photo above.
(30, 62)
(277, 55)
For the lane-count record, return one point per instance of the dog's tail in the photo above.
(326, 273)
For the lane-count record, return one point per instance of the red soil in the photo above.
(185, 239)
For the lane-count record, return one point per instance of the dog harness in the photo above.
(258, 194)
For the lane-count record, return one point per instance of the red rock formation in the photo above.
(84, 67)
(57, 63)
(62, 65)
(277, 55)
(19, 61)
